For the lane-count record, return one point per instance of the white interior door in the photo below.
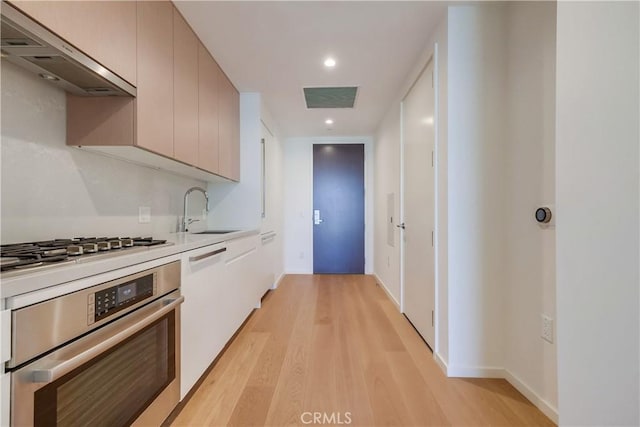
(419, 205)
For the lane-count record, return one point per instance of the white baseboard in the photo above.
(527, 392)
(277, 282)
(441, 363)
(474, 372)
(493, 372)
(389, 294)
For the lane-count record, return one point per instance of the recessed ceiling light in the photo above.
(329, 62)
(328, 122)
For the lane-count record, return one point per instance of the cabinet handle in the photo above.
(268, 236)
(264, 179)
(207, 255)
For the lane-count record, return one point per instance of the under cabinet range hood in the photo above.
(30, 45)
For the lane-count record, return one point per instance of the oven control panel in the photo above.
(104, 303)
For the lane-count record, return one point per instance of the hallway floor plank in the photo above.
(337, 345)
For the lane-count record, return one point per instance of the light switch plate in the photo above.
(547, 328)
(144, 214)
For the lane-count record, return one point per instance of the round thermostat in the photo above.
(543, 215)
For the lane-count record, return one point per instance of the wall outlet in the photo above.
(144, 215)
(547, 328)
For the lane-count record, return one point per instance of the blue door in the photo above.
(338, 203)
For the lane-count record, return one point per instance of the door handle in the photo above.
(316, 217)
(400, 225)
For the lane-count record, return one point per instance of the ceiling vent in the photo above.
(330, 97)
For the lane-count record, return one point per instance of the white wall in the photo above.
(298, 202)
(529, 288)
(238, 205)
(387, 181)
(50, 190)
(495, 152)
(597, 225)
(274, 175)
(298, 206)
(476, 188)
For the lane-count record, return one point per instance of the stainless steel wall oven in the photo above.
(108, 355)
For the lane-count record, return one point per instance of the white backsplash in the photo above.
(50, 190)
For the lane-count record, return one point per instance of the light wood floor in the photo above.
(338, 345)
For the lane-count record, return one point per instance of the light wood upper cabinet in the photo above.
(235, 136)
(208, 78)
(185, 91)
(104, 30)
(155, 77)
(186, 108)
(229, 144)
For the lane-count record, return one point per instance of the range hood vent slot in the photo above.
(28, 44)
(18, 42)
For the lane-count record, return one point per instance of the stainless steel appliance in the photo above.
(30, 45)
(17, 258)
(108, 355)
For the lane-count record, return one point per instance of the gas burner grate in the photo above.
(22, 256)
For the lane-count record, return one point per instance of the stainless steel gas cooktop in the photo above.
(22, 257)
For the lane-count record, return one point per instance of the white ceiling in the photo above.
(278, 47)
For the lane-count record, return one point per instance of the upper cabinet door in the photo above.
(229, 130)
(87, 24)
(185, 91)
(225, 106)
(155, 77)
(208, 78)
(235, 136)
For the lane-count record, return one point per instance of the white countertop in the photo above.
(40, 279)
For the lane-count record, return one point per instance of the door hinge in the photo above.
(431, 238)
(432, 319)
(432, 161)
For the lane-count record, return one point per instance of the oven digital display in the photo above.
(111, 300)
(126, 292)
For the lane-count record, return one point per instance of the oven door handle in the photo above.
(66, 366)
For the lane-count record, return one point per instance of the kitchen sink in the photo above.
(216, 232)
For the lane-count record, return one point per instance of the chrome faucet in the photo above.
(185, 221)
